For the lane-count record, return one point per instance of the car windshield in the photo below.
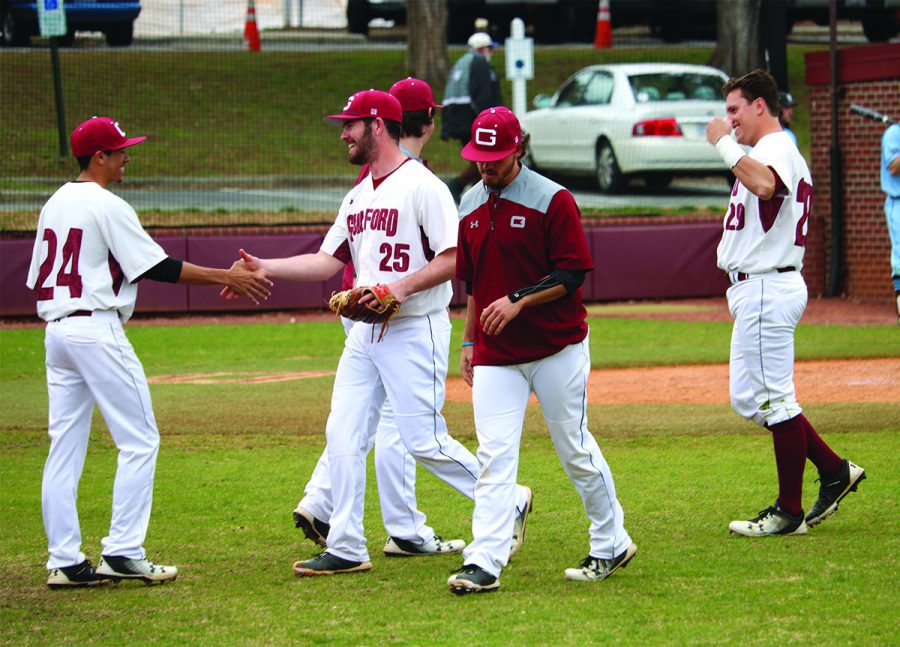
(676, 87)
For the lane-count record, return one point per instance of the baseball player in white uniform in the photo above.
(89, 254)
(762, 247)
(400, 224)
(408, 533)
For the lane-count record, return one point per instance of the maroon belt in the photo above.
(77, 313)
(741, 276)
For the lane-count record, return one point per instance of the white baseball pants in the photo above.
(766, 309)
(395, 470)
(500, 396)
(408, 367)
(89, 359)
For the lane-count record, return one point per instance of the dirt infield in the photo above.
(874, 380)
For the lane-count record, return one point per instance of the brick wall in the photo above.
(868, 76)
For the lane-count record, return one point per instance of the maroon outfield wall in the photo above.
(634, 258)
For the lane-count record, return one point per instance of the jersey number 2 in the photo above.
(395, 258)
(70, 252)
(735, 220)
(804, 197)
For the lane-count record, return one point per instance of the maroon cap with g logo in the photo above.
(100, 134)
(496, 134)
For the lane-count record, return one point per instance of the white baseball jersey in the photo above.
(396, 229)
(765, 235)
(89, 248)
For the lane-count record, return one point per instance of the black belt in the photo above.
(741, 276)
(77, 313)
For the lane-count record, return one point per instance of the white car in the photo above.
(634, 119)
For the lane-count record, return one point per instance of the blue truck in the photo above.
(115, 18)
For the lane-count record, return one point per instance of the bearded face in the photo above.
(360, 142)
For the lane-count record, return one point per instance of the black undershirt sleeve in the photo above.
(571, 280)
(167, 270)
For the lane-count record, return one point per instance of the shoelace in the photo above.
(765, 513)
(467, 569)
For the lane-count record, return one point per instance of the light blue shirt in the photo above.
(890, 149)
(792, 135)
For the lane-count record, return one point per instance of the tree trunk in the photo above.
(426, 42)
(737, 42)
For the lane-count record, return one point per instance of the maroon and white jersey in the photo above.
(510, 240)
(89, 248)
(765, 235)
(394, 227)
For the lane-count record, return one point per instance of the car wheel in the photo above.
(609, 176)
(880, 28)
(358, 17)
(120, 34)
(13, 34)
(658, 181)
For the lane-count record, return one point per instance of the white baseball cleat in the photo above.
(769, 522)
(78, 575)
(594, 569)
(117, 568)
(436, 546)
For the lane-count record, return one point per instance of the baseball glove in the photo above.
(380, 310)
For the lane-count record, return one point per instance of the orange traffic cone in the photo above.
(603, 35)
(251, 32)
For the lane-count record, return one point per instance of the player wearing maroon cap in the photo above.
(89, 254)
(523, 256)
(400, 226)
(395, 468)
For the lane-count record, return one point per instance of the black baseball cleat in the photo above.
(115, 567)
(77, 575)
(472, 579)
(314, 529)
(328, 564)
(834, 487)
(593, 569)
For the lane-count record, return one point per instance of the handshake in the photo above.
(246, 277)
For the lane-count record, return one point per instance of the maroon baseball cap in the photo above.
(414, 94)
(100, 134)
(496, 134)
(369, 104)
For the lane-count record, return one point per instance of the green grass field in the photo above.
(234, 114)
(236, 456)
